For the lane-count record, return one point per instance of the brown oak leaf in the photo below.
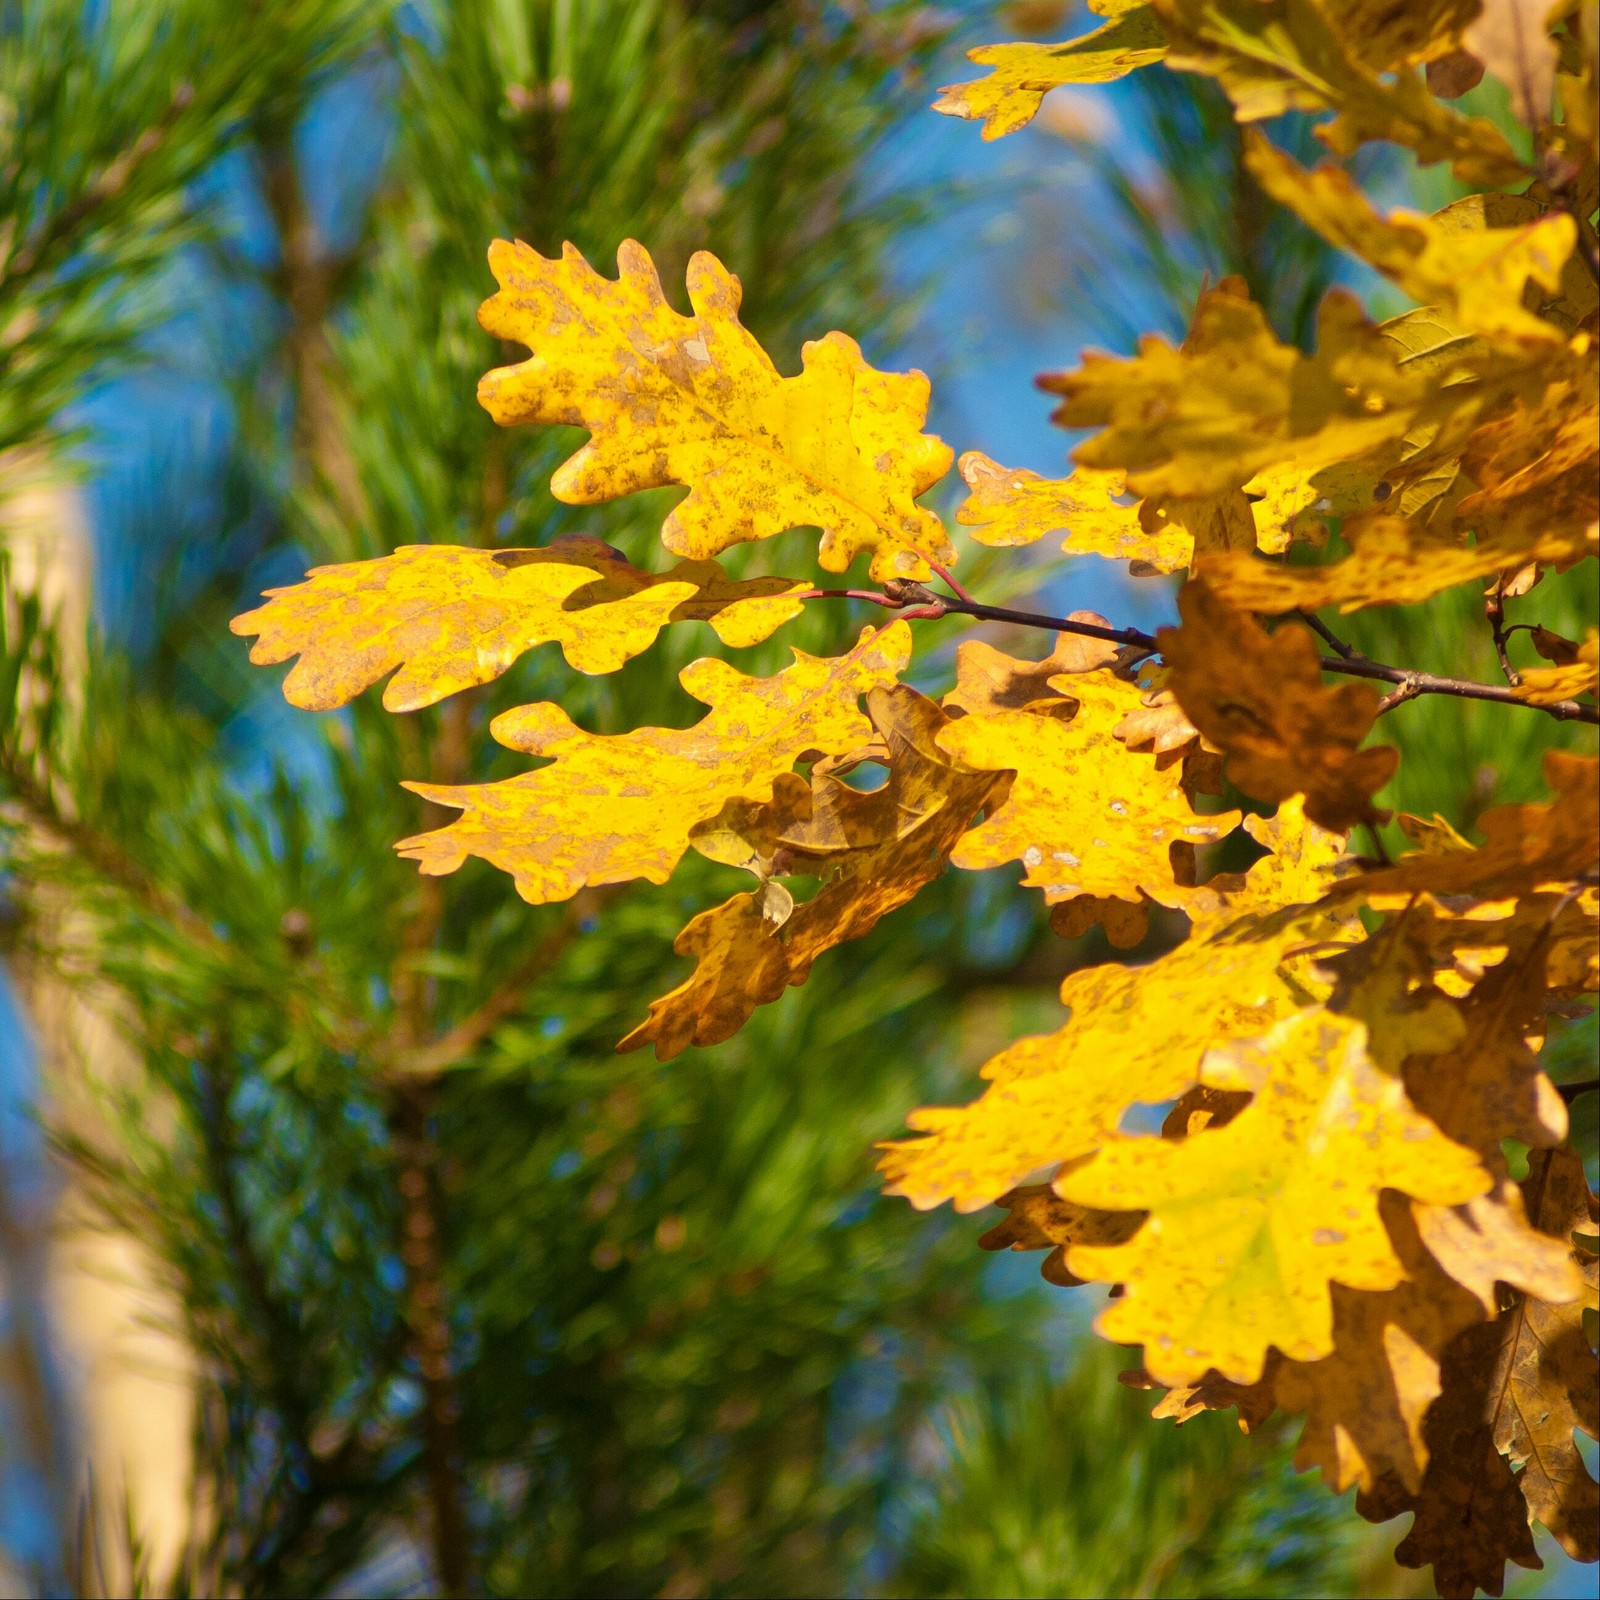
(1260, 699)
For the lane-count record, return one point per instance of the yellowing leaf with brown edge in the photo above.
(1488, 1085)
(1260, 699)
(1546, 686)
(989, 680)
(1518, 1385)
(1470, 1517)
(1041, 1220)
(1135, 1034)
(695, 401)
(1205, 419)
(1012, 506)
(1249, 1224)
(1085, 815)
(1392, 562)
(879, 850)
(451, 617)
(1273, 56)
(613, 807)
(1488, 1241)
(1025, 73)
(1524, 845)
(1476, 276)
(1365, 1403)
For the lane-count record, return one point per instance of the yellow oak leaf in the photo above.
(1209, 522)
(1273, 56)
(1250, 1223)
(1538, 469)
(1524, 845)
(1085, 815)
(669, 399)
(1025, 73)
(1475, 276)
(1392, 562)
(988, 680)
(613, 807)
(1136, 1034)
(451, 617)
(1041, 1220)
(1205, 419)
(1159, 725)
(1545, 686)
(1260, 699)
(1012, 506)
(877, 851)
(1302, 863)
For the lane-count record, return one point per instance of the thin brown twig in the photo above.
(1396, 697)
(949, 578)
(1327, 635)
(1494, 608)
(915, 600)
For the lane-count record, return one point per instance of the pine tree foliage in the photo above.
(438, 1246)
(682, 1349)
(1324, 1118)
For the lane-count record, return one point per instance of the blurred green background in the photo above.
(685, 1347)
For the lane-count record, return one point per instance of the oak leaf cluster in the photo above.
(1346, 1048)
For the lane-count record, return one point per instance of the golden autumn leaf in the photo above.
(1391, 562)
(1524, 845)
(1273, 56)
(669, 399)
(1538, 469)
(1012, 506)
(1250, 1223)
(1475, 276)
(874, 852)
(1545, 686)
(1041, 1220)
(1260, 699)
(1025, 73)
(1134, 1035)
(613, 807)
(989, 680)
(1303, 862)
(1085, 815)
(451, 617)
(1205, 419)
